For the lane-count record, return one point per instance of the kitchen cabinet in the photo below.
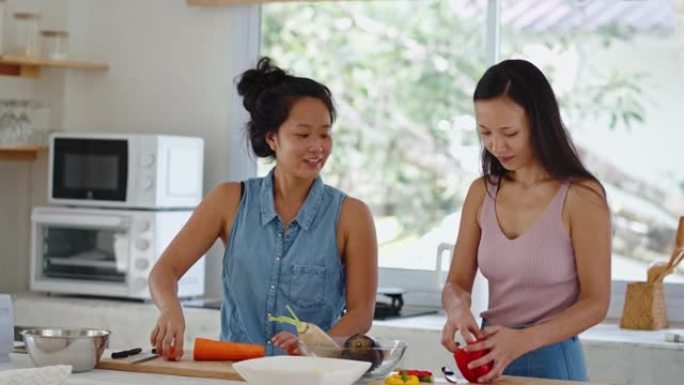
(30, 67)
(20, 152)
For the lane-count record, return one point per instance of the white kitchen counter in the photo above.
(614, 355)
(111, 377)
(608, 334)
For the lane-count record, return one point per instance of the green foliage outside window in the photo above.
(401, 76)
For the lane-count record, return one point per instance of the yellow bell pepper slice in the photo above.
(402, 379)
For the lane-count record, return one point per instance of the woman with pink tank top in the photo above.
(537, 225)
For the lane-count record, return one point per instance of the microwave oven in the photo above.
(125, 170)
(110, 253)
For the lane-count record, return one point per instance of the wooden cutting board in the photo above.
(185, 367)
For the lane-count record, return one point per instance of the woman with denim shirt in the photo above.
(538, 226)
(290, 240)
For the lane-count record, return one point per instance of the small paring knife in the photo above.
(145, 357)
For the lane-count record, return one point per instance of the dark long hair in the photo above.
(526, 85)
(268, 95)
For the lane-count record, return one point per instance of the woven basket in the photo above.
(644, 307)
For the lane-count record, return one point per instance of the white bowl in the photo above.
(299, 370)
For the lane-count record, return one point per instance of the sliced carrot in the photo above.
(212, 350)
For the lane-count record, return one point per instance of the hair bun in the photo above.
(253, 81)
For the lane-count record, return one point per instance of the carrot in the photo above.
(212, 350)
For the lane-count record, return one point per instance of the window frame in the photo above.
(421, 286)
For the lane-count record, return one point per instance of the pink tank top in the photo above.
(533, 277)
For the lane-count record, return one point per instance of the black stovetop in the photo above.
(384, 310)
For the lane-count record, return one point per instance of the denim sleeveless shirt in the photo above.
(266, 267)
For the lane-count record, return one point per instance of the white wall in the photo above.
(23, 184)
(171, 70)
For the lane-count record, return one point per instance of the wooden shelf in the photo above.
(30, 67)
(20, 152)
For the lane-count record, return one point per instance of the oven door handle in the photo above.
(81, 220)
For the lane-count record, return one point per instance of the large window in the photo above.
(403, 73)
(617, 67)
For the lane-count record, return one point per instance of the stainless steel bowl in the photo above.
(80, 348)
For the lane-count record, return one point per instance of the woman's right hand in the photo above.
(459, 318)
(287, 342)
(167, 335)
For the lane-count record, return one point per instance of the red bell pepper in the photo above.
(423, 375)
(463, 358)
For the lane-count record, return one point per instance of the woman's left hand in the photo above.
(288, 342)
(504, 344)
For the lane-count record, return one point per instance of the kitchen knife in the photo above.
(126, 353)
(145, 357)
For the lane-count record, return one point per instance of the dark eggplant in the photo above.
(361, 347)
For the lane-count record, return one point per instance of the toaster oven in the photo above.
(100, 252)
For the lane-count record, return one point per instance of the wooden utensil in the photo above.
(644, 307)
(676, 256)
(655, 270)
(679, 237)
(675, 259)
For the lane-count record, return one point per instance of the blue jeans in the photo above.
(563, 360)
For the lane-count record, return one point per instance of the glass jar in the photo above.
(54, 44)
(26, 34)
